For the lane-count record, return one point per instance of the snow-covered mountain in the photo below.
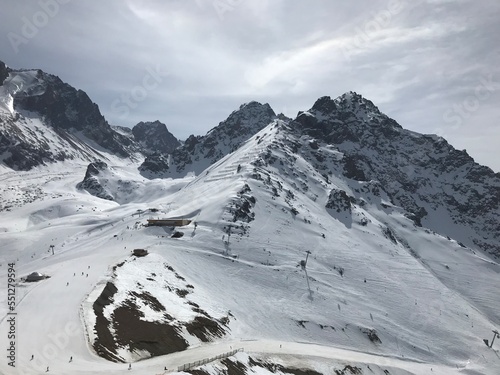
(44, 120)
(439, 187)
(334, 243)
(199, 152)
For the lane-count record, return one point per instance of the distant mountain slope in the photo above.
(199, 152)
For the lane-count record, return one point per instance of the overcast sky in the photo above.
(432, 65)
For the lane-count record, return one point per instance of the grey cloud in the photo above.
(416, 60)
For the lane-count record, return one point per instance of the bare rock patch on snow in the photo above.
(147, 310)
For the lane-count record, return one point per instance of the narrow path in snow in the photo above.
(307, 350)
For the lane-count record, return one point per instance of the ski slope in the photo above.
(430, 301)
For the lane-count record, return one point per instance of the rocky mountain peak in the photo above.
(255, 106)
(348, 117)
(157, 124)
(248, 119)
(61, 104)
(241, 124)
(154, 137)
(92, 184)
(349, 104)
(325, 104)
(93, 169)
(352, 99)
